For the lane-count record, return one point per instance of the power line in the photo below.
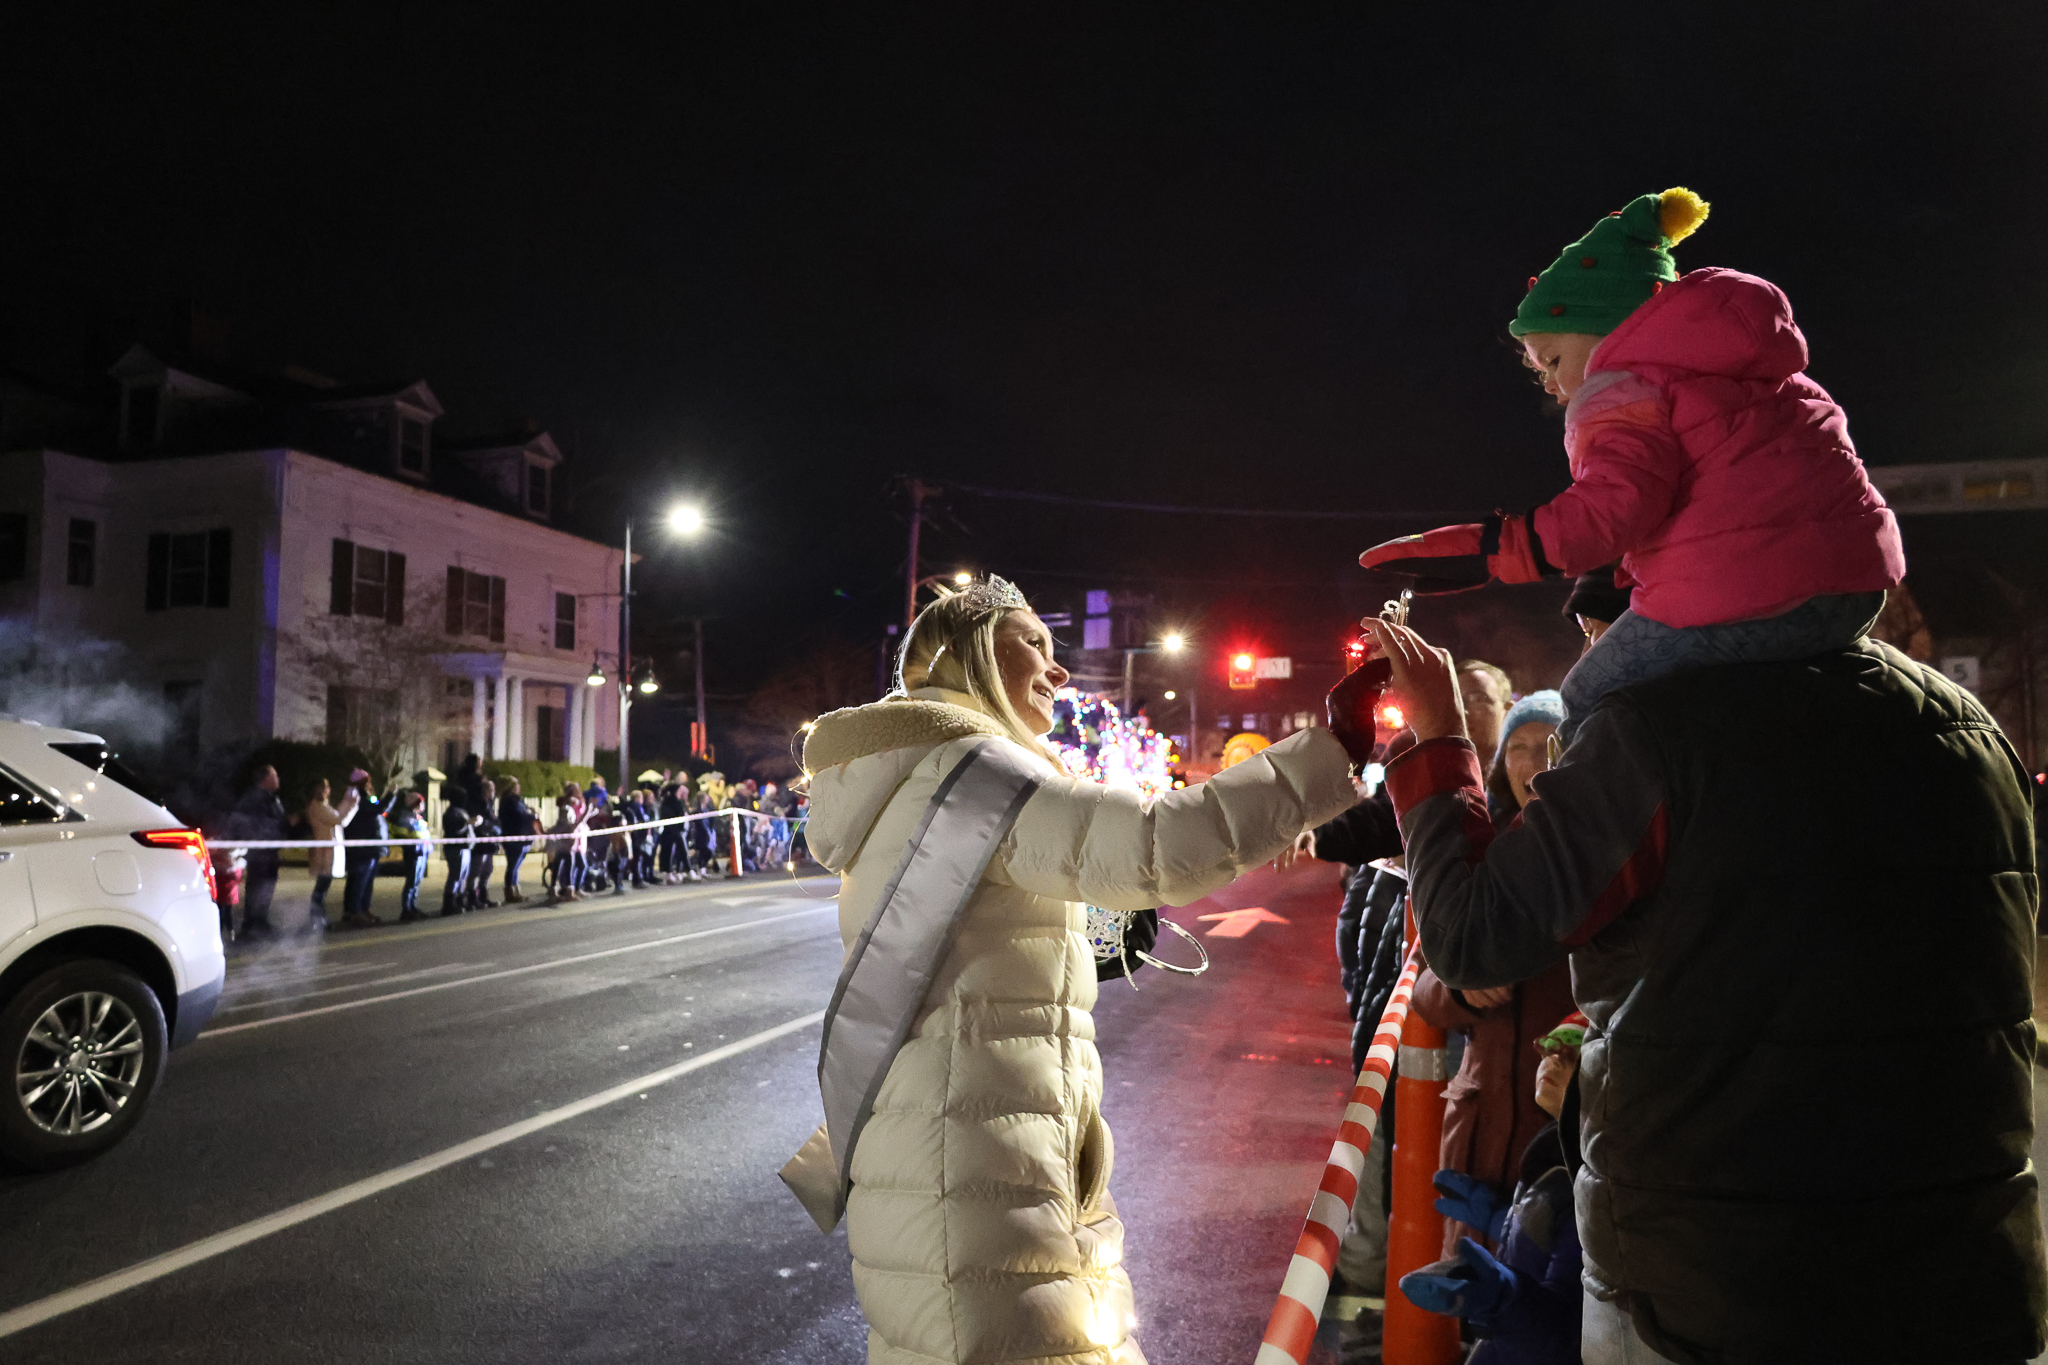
(1018, 495)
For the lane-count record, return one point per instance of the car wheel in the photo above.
(83, 1045)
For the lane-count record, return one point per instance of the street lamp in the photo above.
(1171, 643)
(596, 678)
(962, 579)
(683, 519)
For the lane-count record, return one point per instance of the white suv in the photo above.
(110, 951)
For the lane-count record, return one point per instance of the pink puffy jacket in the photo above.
(1712, 467)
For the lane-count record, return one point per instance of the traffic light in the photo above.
(1242, 675)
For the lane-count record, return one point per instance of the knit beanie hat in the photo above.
(1594, 596)
(1612, 270)
(1546, 705)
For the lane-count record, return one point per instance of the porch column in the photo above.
(572, 742)
(589, 703)
(515, 718)
(498, 717)
(478, 725)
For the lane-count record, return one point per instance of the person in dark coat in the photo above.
(260, 815)
(1491, 1112)
(515, 817)
(457, 827)
(360, 862)
(470, 777)
(674, 862)
(1753, 1012)
(483, 857)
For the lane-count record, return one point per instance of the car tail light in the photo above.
(185, 841)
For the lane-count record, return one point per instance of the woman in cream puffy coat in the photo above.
(980, 1219)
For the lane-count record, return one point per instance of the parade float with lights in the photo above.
(1096, 740)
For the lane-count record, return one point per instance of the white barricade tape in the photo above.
(580, 832)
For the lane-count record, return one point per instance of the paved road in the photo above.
(645, 1223)
(551, 1136)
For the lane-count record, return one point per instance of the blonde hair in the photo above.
(952, 644)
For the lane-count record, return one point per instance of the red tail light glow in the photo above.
(189, 841)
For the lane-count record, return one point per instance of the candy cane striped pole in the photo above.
(1300, 1307)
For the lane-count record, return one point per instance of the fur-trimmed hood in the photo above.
(858, 757)
(930, 715)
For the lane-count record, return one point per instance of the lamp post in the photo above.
(684, 519)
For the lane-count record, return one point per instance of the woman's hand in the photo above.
(1424, 679)
(1487, 997)
(1304, 846)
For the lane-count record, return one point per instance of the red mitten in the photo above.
(1514, 553)
(1453, 558)
(1447, 559)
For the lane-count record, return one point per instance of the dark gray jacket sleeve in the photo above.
(1366, 832)
(1494, 910)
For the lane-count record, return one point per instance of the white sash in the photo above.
(890, 966)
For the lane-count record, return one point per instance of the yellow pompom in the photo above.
(1679, 212)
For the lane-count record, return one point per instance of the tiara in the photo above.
(993, 594)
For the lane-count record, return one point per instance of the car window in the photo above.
(20, 805)
(106, 763)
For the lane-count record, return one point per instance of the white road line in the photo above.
(353, 986)
(519, 971)
(192, 1253)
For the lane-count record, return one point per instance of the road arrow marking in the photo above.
(1238, 923)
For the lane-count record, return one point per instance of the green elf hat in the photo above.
(1612, 270)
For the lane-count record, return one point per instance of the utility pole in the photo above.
(703, 725)
(919, 491)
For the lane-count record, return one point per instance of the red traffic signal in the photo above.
(1243, 676)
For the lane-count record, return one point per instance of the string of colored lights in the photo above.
(1097, 741)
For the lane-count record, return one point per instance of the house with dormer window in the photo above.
(284, 556)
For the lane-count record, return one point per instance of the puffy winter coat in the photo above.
(979, 1220)
(1707, 462)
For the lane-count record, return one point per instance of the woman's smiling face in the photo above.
(1030, 676)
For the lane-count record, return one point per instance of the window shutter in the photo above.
(454, 600)
(156, 590)
(220, 544)
(341, 583)
(394, 588)
(498, 611)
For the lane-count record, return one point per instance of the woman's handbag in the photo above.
(1122, 941)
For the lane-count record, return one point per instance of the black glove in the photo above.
(1352, 704)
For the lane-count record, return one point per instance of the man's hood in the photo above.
(1718, 322)
(858, 757)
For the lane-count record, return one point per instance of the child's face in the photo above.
(1560, 358)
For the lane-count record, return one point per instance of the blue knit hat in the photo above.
(1546, 705)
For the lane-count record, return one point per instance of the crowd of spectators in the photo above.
(1510, 1076)
(596, 844)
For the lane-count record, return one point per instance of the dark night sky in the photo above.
(1258, 258)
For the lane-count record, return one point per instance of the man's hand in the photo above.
(1304, 846)
(1425, 680)
(1487, 997)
